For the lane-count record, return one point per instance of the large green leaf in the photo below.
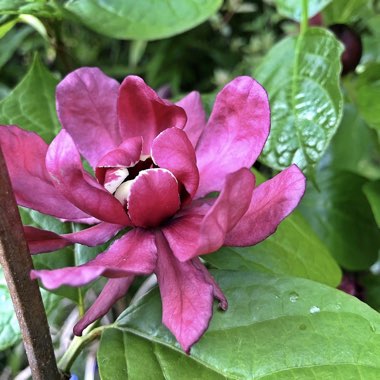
(9, 328)
(354, 147)
(142, 20)
(275, 328)
(301, 75)
(45, 8)
(293, 8)
(293, 250)
(340, 214)
(372, 191)
(31, 105)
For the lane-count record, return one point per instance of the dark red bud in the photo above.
(352, 46)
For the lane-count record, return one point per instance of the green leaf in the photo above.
(301, 76)
(341, 216)
(354, 147)
(9, 329)
(275, 328)
(368, 94)
(344, 11)
(31, 105)
(294, 250)
(142, 20)
(293, 8)
(372, 191)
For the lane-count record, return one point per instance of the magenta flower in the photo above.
(154, 163)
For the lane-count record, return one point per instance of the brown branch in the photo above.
(17, 263)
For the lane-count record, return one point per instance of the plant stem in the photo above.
(305, 16)
(77, 345)
(17, 264)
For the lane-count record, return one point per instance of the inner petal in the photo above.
(153, 197)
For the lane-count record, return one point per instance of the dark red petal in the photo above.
(24, 154)
(196, 116)
(153, 197)
(172, 150)
(114, 290)
(271, 202)
(134, 253)
(67, 173)
(193, 234)
(86, 106)
(142, 113)
(186, 297)
(235, 134)
(40, 241)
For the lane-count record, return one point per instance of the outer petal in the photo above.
(192, 235)
(142, 113)
(271, 202)
(86, 106)
(25, 153)
(172, 150)
(40, 241)
(134, 253)
(235, 134)
(153, 197)
(114, 290)
(66, 170)
(186, 297)
(196, 116)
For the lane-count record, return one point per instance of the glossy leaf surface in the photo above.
(142, 20)
(301, 76)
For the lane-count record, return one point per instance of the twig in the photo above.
(17, 263)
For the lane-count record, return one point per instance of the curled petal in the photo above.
(125, 155)
(40, 241)
(134, 253)
(115, 289)
(25, 153)
(194, 234)
(86, 106)
(186, 297)
(172, 150)
(153, 197)
(66, 170)
(235, 134)
(271, 202)
(142, 113)
(196, 116)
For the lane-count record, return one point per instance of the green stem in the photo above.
(76, 347)
(305, 16)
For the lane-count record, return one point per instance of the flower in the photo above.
(154, 163)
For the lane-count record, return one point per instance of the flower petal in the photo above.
(125, 155)
(40, 241)
(153, 197)
(196, 116)
(235, 134)
(134, 253)
(172, 150)
(66, 170)
(25, 153)
(86, 106)
(142, 113)
(271, 202)
(114, 290)
(186, 297)
(195, 234)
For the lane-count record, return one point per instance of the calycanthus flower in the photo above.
(154, 164)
